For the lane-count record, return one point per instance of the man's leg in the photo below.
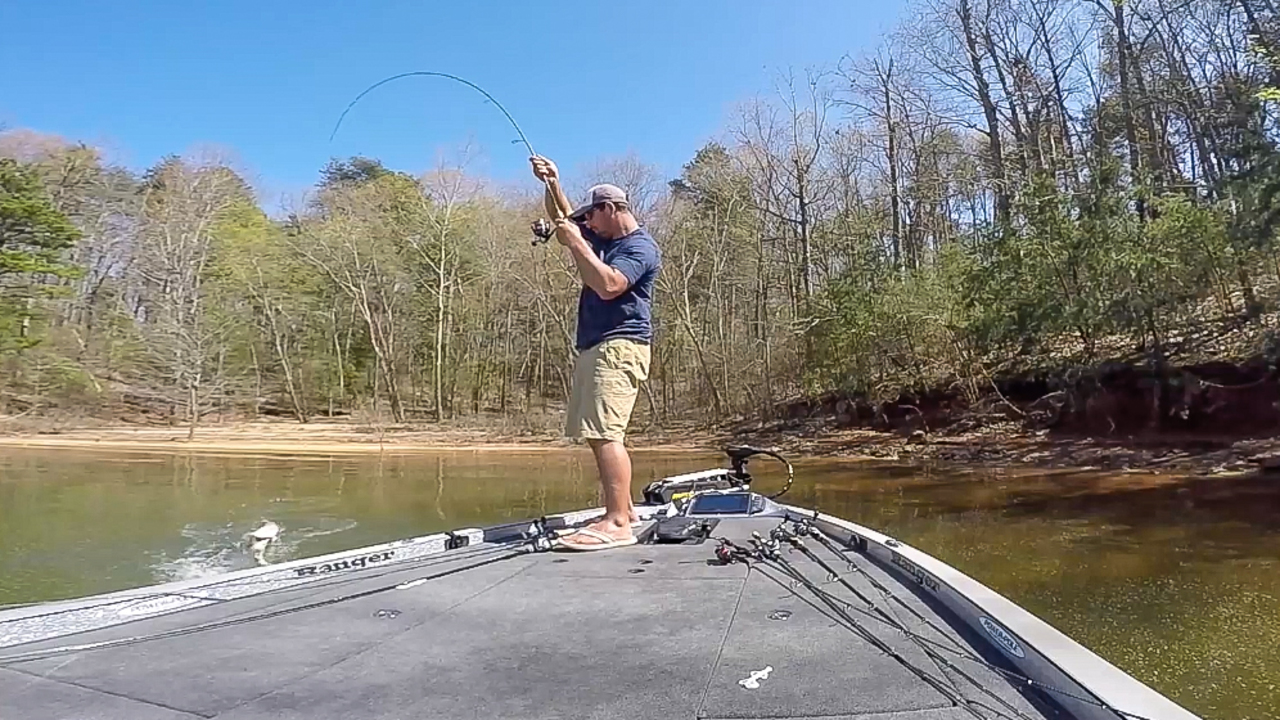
(614, 465)
(617, 369)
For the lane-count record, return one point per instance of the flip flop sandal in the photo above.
(567, 531)
(605, 543)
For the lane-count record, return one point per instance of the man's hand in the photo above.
(544, 169)
(568, 232)
(554, 199)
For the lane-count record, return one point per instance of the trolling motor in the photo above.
(700, 499)
(678, 487)
(739, 455)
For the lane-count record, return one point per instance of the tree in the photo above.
(33, 233)
(254, 264)
(185, 199)
(34, 240)
(442, 225)
(353, 240)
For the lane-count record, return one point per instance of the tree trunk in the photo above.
(1021, 145)
(342, 368)
(806, 257)
(1059, 97)
(438, 375)
(1126, 100)
(257, 379)
(1003, 205)
(383, 341)
(287, 365)
(506, 365)
(193, 410)
(686, 320)
(895, 208)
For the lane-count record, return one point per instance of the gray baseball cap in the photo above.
(599, 194)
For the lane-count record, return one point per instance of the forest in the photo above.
(1002, 189)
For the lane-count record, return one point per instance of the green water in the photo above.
(1176, 582)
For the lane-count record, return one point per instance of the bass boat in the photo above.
(732, 604)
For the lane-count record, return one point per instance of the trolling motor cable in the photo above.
(542, 229)
(740, 455)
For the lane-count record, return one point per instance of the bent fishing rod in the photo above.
(542, 229)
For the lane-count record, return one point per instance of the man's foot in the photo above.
(600, 535)
(592, 522)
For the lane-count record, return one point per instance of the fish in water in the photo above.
(258, 540)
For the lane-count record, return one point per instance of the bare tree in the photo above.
(186, 197)
(784, 148)
(446, 217)
(641, 181)
(353, 243)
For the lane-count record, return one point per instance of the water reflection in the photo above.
(1174, 580)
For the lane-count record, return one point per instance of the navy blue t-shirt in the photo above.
(637, 256)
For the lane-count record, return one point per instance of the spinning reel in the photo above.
(542, 230)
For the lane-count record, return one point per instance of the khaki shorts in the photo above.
(606, 380)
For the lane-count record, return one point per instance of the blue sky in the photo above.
(268, 79)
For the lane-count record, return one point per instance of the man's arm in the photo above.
(607, 282)
(554, 199)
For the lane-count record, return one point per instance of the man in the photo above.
(618, 262)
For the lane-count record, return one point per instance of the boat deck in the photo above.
(648, 631)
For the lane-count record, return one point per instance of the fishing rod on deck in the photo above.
(542, 228)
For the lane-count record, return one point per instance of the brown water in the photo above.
(1176, 582)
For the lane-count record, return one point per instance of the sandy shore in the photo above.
(1005, 446)
(291, 438)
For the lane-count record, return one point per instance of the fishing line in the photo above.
(468, 83)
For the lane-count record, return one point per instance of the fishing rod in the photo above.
(802, 528)
(542, 229)
(768, 550)
(794, 537)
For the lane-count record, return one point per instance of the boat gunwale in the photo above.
(177, 596)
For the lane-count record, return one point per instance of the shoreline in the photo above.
(1005, 445)
(291, 439)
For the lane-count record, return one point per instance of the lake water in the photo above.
(1174, 581)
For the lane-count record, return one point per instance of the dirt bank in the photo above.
(1211, 417)
(1011, 445)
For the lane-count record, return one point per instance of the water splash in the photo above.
(211, 549)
